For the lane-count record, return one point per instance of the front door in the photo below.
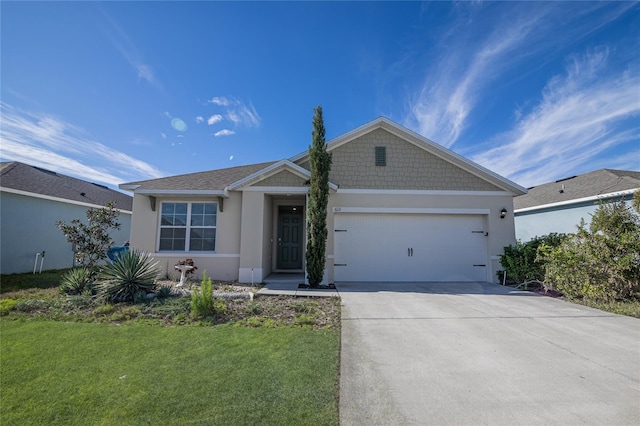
(290, 232)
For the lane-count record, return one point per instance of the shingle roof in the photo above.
(23, 177)
(598, 182)
(212, 179)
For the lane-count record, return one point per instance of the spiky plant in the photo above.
(77, 281)
(132, 273)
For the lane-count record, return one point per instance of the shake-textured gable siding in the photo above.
(407, 167)
(284, 178)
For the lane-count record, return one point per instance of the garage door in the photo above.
(409, 247)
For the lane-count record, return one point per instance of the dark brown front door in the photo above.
(290, 232)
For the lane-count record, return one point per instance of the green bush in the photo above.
(203, 304)
(77, 281)
(7, 305)
(130, 278)
(600, 262)
(521, 261)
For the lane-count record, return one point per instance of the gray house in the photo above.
(559, 206)
(32, 200)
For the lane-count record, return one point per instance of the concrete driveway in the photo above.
(483, 354)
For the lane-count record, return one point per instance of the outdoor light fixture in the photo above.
(503, 213)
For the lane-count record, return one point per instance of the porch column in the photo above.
(251, 234)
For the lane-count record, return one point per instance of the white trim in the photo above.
(214, 192)
(578, 200)
(58, 199)
(271, 170)
(400, 210)
(421, 192)
(194, 254)
(278, 189)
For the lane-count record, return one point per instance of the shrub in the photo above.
(7, 305)
(203, 304)
(521, 261)
(77, 281)
(163, 292)
(129, 278)
(600, 262)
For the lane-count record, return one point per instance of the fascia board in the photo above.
(270, 171)
(577, 201)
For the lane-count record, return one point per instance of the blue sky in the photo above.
(114, 92)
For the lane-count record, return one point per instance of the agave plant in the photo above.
(134, 273)
(77, 281)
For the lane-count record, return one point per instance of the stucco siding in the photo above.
(407, 167)
(28, 226)
(221, 265)
(283, 178)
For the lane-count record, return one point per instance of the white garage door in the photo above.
(409, 247)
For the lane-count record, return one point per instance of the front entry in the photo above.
(290, 241)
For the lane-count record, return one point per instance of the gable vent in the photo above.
(381, 156)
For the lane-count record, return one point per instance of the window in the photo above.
(191, 225)
(381, 156)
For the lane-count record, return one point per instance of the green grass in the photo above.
(626, 307)
(99, 374)
(15, 282)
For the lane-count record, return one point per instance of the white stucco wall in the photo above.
(28, 226)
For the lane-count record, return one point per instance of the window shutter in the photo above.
(381, 156)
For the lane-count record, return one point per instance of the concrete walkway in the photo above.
(482, 354)
(287, 285)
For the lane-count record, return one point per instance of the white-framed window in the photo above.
(187, 226)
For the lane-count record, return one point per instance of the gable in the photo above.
(408, 167)
(283, 178)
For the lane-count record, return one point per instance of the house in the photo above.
(32, 200)
(401, 208)
(559, 206)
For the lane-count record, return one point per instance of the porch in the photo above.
(286, 284)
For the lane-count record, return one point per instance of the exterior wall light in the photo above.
(503, 213)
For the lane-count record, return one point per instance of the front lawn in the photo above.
(78, 374)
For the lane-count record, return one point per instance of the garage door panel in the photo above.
(409, 247)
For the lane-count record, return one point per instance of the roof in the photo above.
(35, 180)
(210, 180)
(423, 143)
(217, 182)
(593, 184)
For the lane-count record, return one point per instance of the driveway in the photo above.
(483, 354)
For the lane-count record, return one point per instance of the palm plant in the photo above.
(77, 281)
(133, 274)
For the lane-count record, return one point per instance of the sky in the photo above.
(115, 92)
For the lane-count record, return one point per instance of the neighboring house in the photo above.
(32, 200)
(401, 208)
(559, 206)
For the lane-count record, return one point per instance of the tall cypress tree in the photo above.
(320, 164)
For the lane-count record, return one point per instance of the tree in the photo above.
(320, 164)
(600, 261)
(92, 241)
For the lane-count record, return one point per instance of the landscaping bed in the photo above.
(262, 311)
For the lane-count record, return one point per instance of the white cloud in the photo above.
(224, 132)
(583, 114)
(123, 44)
(163, 135)
(462, 74)
(219, 100)
(236, 111)
(46, 141)
(199, 119)
(214, 119)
